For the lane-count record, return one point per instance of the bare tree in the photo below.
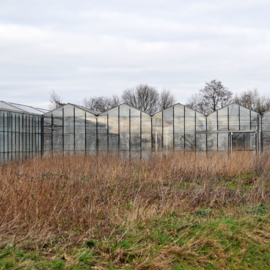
(196, 103)
(55, 100)
(115, 101)
(251, 99)
(101, 104)
(211, 98)
(142, 97)
(166, 99)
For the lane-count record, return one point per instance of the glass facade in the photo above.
(73, 129)
(20, 135)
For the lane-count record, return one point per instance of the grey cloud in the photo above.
(82, 48)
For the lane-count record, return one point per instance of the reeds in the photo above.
(74, 196)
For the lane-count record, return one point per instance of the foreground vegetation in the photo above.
(172, 212)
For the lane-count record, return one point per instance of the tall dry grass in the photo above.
(74, 196)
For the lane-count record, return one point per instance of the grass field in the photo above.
(179, 211)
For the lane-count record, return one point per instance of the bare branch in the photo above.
(55, 100)
(101, 104)
(143, 97)
(251, 99)
(211, 98)
(166, 99)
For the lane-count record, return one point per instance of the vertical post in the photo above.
(32, 136)
(129, 131)
(97, 135)
(52, 128)
(35, 134)
(250, 119)
(85, 141)
(4, 135)
(15, 131)
(260, 128)
(23, 144)
(250, 129)
(29, 137)
(8, 134)
(195, 132)
(42, 135)
(11, 135)
(140, 135)
(74, 130)
(217, 130)
(206, 141)
(20, 136)
(239, 117)
(257, 134)
(228, 120)
(118, 129)
(184, 128)
(152, 144)
(38, 125)
(256, 140)
(231, 142)
(173, 130)
(162, 132)
(63, 130)
(107, 132)
(228, 117)
(26, 136)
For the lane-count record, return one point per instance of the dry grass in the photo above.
(64, 200)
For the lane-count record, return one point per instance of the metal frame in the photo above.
(26, 131)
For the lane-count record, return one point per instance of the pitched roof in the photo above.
(20, 108)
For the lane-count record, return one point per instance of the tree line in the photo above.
(146, 98)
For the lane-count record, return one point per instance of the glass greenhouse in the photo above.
(26, 131)
(20, 131)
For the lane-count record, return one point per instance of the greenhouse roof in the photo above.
(85, 109)
(19, 108)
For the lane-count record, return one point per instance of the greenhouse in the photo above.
(20, 131)
(71, 129)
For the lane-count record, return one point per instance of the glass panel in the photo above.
(124, 127)
(200, 142)
(189, 129)
(47, 132)
(212, 141)
(244, 119)
(157, 131)
(200, 126)
(189, 142)
(223, 141)
(266, 131)
(69, 128)
(79, 130)
(26, 108)
(57, 130)
(168, 128)
(243, 141)
(234, 117)
(179, 128)
(223, 119)
(189, 121)
(102, 133)
(135, 130)
(113, 129)
(91, 130)
(254, 121)
(212, 121)
(146, 132)
(5, 106)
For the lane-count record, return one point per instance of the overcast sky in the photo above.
(98, 48)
